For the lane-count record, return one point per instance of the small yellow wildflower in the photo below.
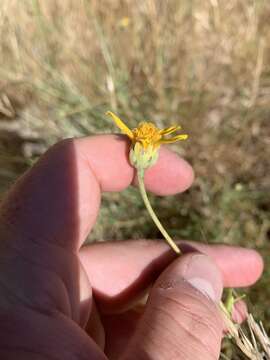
(146, 140)
(124, 22)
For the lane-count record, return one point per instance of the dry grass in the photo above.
(204, 63)
(253, 342)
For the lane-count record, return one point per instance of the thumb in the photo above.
(182, 319)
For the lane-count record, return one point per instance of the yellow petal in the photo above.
(174, 139)
(121, 125)
(169, 130)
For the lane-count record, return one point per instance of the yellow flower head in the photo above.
(146, 139)
(147, 133)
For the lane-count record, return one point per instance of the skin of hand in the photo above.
(62, 300)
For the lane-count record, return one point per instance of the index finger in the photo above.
(57, 201)
(121, 271)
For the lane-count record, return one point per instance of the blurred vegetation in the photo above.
(205, 64)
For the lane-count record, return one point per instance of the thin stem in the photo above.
(153, 215)
(229, 301)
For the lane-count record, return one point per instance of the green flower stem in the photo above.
(153, 215)
(229, 301)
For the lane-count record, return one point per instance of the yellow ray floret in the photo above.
(122, 126)
(147, 134)
(169, 130)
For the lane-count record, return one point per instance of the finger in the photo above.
(95, 327)
(164, 173)
(239, 266)
(240, 312)
(121, 327)
(57, 201)
(120, 272)
(119, 330)
(28, 334)
(181, 319)
(87, 304)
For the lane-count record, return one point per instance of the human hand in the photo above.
(63, 301)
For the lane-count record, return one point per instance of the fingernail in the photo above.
(203, 275)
